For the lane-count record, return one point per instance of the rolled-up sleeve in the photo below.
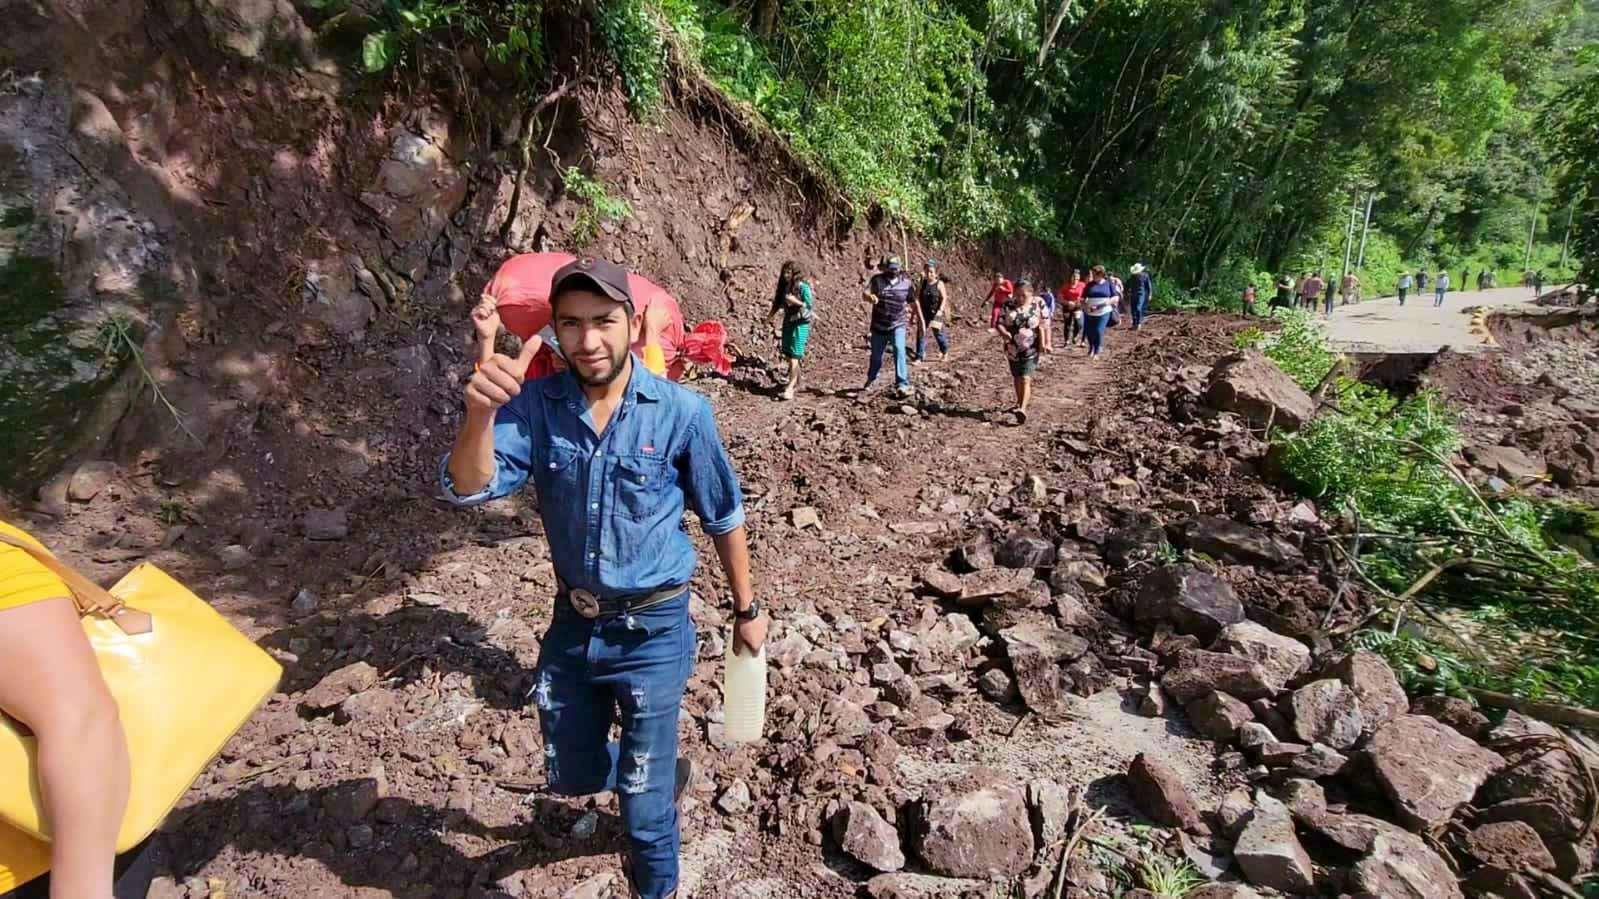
(710, 484)
(513, 457)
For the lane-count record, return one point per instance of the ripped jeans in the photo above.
(586, 671)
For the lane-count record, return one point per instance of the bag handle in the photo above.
(89, 598)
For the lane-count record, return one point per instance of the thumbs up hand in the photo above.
(500, 378)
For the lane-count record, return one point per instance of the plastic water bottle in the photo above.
(744, 695)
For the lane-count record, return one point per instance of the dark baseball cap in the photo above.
(589, 273)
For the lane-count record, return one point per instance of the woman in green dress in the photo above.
(794, 299)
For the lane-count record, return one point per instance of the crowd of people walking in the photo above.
(1311, 288)
(1024, 315)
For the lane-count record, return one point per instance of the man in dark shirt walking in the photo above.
(888, 292)
(1140, 289)
(615, 454)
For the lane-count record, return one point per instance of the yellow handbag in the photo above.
(184, 680)
(22, 858)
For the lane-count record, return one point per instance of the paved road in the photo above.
(1383, 326)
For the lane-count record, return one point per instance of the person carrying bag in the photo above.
(115, 701)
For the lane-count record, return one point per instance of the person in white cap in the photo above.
(1140, 289)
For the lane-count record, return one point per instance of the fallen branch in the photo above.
(525, 145)
(1555, 883)
(1552, 712)
(1403, 599)
(1066, 854)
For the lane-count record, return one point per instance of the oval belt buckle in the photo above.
(585, 602)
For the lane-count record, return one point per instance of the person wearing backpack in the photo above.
(888, 293)
(1020, 324)
(931, 311)
(796, 301)
(1403, 286)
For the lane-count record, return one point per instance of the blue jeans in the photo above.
(1094, 331)
(1139, 310)
(921, 341)
(1438, 297)
(881, 340)
(586, 670)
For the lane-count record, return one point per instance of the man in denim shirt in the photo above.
(615, 453)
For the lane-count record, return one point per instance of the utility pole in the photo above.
(1532, 226)
(1566, 244)
(1349, 240)
(1364, 229)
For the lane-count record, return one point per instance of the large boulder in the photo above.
(1254, 387)
(1544, 772)
(1023, 550)
(1400, 865)
(1394, 862)
(1223, 538)
(1428, 769)
(975, 827)
(951, 635)
(864, 835)
(1371, 679)
(249, 28)
(1037, 650)
(1458, 713)
(1508, 462)
(1509, 845)
(1161, 794)
(1328, 712)
(979, 588)
(1192, 601)
(1199, 672)
(1269, 852)
(418, 184)
(975, 554)
(1283, 657)
(1218, 716)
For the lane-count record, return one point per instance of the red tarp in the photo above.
(521, 289)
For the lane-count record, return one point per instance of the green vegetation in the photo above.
(117, 342)
(1168, 878)
(1219, 144)
(506, 36)
(1573, 127)
(598, 205)
(636, 45)
(1216, 143)
(1508, 606)
(1297, 346)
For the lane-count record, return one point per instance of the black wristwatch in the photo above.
(749, 614)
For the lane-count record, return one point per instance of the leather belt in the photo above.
(591, 605)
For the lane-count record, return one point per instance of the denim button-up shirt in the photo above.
(613, 503)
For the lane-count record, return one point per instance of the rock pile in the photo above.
(1337, 751)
